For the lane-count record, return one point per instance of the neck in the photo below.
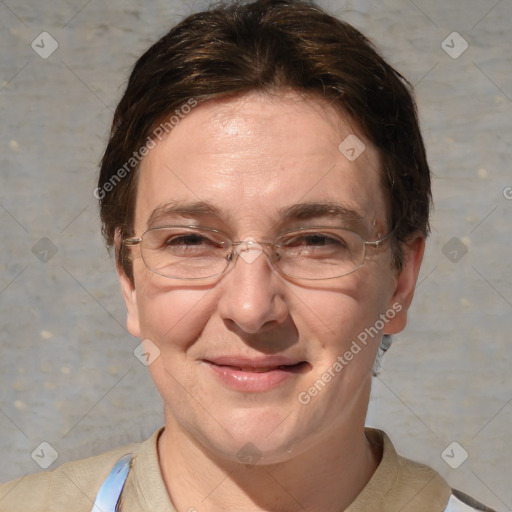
(327, 477)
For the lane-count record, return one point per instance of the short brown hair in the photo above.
(236, 48)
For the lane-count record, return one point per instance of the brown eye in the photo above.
(186, 240)
(318, 240)
(315, 240)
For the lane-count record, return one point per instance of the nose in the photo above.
(252, 293)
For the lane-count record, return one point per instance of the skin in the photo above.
(250, 157)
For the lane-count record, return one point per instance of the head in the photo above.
(239, 114)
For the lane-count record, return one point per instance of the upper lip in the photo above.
(253, 362)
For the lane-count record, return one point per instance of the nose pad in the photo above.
(249, 250)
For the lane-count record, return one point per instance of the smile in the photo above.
(252, 369)
(254, 377)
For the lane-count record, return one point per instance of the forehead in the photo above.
(256, 158)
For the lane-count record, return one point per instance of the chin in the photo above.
(258, 438)
(250, 453)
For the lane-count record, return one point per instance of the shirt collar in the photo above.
(397, 484)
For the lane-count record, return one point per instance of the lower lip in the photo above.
(251, 381)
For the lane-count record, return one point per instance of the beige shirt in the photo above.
(398, 484)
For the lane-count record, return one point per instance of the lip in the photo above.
(255, 374)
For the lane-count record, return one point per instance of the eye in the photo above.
(331, 246)
(192, 244)
(315, 240)
(184, 242)
(191, 239)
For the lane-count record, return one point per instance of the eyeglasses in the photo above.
(313, 253)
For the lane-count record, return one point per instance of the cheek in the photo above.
(171, 317)
(345, 308)
(342, 320)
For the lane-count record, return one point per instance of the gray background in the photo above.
(68, 375)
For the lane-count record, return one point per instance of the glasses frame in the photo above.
(233, 255)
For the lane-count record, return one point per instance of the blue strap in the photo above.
(110, 491)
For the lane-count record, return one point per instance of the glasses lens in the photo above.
(185, 253)
(319, 253)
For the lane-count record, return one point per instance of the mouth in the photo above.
(259, 364)
(293, 368)
(253, 375)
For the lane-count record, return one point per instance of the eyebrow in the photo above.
(311, 210)
(299, 211)
(179, 209)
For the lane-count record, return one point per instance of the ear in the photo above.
(129, 294)
(405, 283)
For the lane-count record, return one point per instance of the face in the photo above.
(252, 356)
